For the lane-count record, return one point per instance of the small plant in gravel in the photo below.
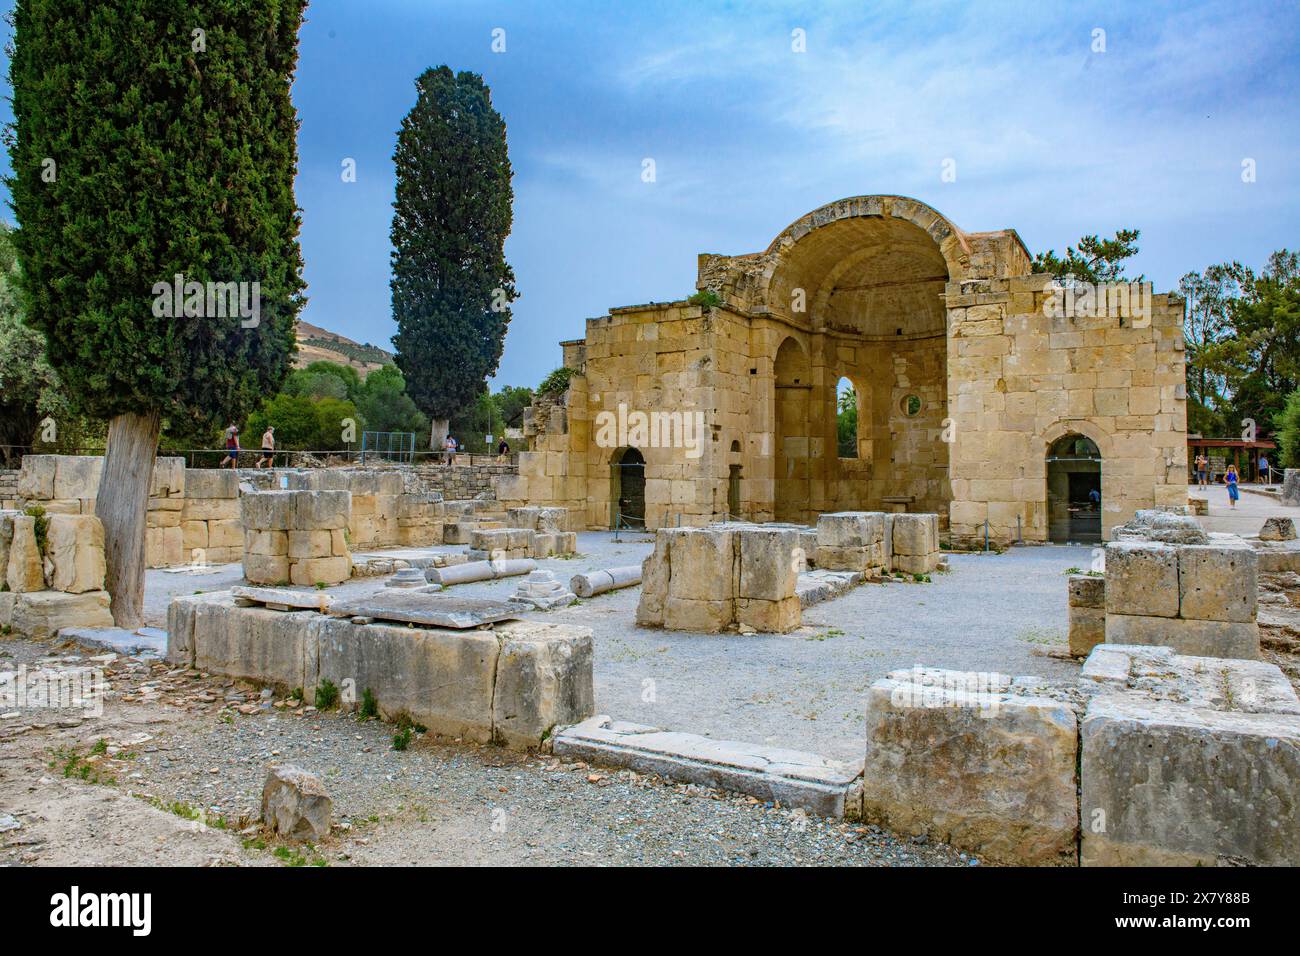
(74, 766)
(327, 695)
(369, 706)
(921, 578)
(321, 585)
(101, 747)
(255, 843)
(292, 857)
(402, 739)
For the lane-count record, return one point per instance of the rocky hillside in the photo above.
(316, 344)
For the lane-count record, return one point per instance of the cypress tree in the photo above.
(154, 140)
(451, 285)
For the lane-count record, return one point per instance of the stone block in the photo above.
(77, 476)
(769, 617)
(915, 534)
(310, 544)
(322, 510)
(278, 647)
(701, 564)
(1166, 784)
(543, 681)
(704, 617)
(167, 479)
(1088, 629)
(916, 564)
(1218, 583)
(266, 542)
(768, 566)
(845, 559)
(266, 568)
(987, 771)
(1087, 590)
(1194, 638)
(268, 511)
(654, 583)
(41, 614)
(225, 534)
(202, 483)
(212, 509)
(36, 477)
(1141, 579)
(74, 553)
(1277, 529)
(850, 529)
(6, 539)
(309, 572)
(442, 679)
(25, 570)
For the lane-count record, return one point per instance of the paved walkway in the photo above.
(1249, 514)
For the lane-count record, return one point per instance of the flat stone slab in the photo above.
(415, 557)
(792, 777)
(281, 598)
(143, 642)
(430, 610)
(1157, 673)
(814, 587)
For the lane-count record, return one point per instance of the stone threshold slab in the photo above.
(281, 599)
(142, 642)
(431, 610)
(791, 777)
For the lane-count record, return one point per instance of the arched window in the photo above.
(846, 418)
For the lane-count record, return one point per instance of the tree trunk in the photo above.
(122, 505)
(438, 428)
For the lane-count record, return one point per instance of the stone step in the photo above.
(791, 777)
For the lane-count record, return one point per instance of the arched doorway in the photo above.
(1074, 490)
(627, 489)
(793, 404)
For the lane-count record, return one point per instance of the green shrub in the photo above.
(327, 695)
(369, 706)
(402, 739)
(706, 298)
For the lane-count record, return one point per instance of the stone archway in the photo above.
(863, 282)
(1074, 492)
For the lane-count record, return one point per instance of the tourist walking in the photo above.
(1263, 469)
(503, 449)
(450, 446)
(232, 447)
(1230, 479)
(268, 448)
(1201, 464)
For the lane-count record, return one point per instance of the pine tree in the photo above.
(153, 140)
(451, 285)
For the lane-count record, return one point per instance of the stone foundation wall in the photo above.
(8, 488)
(510, 685)
(459, 482)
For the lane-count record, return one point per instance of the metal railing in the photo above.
(282, 458)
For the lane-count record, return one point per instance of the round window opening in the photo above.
(911, 406)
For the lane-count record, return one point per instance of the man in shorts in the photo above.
(268, 448)
(232, 448)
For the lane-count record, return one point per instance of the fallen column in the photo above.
(472, 571)
(610, 579)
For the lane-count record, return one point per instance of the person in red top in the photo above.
(232, 448)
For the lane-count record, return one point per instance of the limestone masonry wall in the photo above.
(964, 373)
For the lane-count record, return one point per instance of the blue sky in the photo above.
(1048, 136)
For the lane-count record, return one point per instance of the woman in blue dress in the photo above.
(1230, 479)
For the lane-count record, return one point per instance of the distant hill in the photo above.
(316, 344)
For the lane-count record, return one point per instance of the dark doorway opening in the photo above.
(627, 489)
(1074, 491)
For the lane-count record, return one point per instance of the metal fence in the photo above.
(11, 457)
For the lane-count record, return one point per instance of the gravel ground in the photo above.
(804, 690)
(172, 749)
